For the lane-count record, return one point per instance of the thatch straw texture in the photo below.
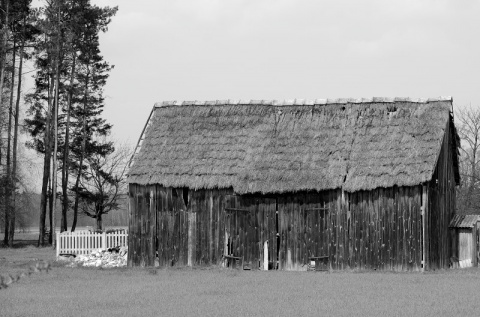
(274, 147)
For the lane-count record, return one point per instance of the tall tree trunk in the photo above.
(2, 186)
(58, 60)
(50, 209)
(46, 168)
(75, 204)
(15, 137)
(55, 143)
(65, 150)
(82, 153)
(8, 191)
(3, 47)
(99, 219)
(4, 5)
(79, 174)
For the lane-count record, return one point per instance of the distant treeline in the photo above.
(27, 214)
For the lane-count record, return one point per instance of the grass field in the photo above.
(220, 292)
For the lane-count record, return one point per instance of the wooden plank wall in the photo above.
(465, 244)
(172, 242)
(454, 244)
(441, 207)
(250, 222)
(207, 238)
(306, 223)
(389, 229)
(475, 245)
(379, 229)
(142, 229)
(191, 234)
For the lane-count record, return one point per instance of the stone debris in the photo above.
(113, 257)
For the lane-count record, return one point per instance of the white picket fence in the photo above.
(83, 242)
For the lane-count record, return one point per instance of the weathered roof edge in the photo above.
(464, 221)
(300, 102)
(141, 138)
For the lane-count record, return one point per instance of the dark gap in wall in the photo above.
(391, 108)
(421, 196)
(185, 196)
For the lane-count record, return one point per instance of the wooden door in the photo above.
(465, 246)
(250, 225)
(315, 213)
(302, 230)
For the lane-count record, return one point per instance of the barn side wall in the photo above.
(379, 229)
(441, 207)
(180, 226)
(383, 229)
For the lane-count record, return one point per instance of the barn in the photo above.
(360, 184)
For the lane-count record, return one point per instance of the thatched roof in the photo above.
(273, 147)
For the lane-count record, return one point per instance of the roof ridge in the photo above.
(301, 102)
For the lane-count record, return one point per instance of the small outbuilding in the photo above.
(337, 184)
(464, 230)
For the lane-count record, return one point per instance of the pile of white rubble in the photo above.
(114, 257)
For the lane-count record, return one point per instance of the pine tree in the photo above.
(82, 73)
(48, 59)
(22, 34)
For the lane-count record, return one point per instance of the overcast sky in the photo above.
(286, 49)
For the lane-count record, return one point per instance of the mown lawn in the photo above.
(219, 292)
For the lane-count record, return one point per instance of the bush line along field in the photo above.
(216, 291)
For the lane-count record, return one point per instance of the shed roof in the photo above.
(464, 221)
(284, 146)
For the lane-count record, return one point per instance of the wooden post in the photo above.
(191, 224)
(58, 244)
(104, 240)
(474, 245)
(225, 249)
(424, 209)
(153, 233)
(289, 265)
(265, 256)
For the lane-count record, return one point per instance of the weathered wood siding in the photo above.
(250, 223)
(465, 243)
(379, 229)
(142, 223)
(181, 234)
(385, 229)
(172, 226)
(441, 207)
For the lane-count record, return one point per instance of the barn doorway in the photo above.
(251, 232)
(276, 233)
(303, 232)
